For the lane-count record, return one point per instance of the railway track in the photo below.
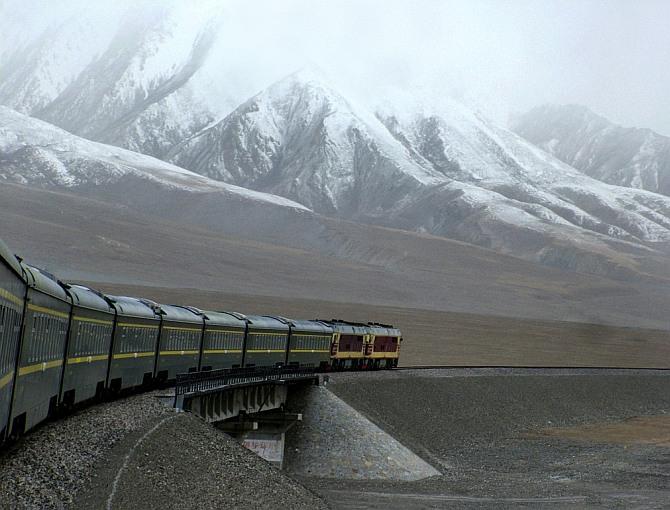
(525, 367)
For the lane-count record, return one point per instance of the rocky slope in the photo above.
(632, 157)
(135, 80)
(301, 139)
(38, 154)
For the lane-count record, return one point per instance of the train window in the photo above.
(5, 335)
(3, 309)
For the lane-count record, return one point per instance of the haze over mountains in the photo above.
(273, 164)
(139, 81)
(632, 157)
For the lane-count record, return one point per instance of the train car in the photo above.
(383, 347)
(223, 342)
(348, 346)
(12, 301)
(134, 344)
(180, 342)
(266, 342)
(88, 346)
(309, 344)
(41, 351)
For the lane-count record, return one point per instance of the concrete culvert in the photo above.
(336, 441)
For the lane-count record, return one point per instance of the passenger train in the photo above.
(63, 344)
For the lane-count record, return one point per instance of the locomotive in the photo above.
(64, 344)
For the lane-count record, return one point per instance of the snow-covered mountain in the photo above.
(147, 83)
(139, 83)
(35, 153)
(301, 139)
(445, 171)
(637, 158)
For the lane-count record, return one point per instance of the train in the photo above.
(65, 344)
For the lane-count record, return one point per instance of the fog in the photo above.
(502, 56)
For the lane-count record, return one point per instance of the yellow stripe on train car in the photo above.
(92, 321)
(87, 359)
(348, 355)
(179, 353)
(310, 350)
(266, 350)
(381, 355)
(11, 297)
(176, 328)
(40, 367)
(127, 355)
(49, 311)
(133, 325)
(6, 379)
(222, 351)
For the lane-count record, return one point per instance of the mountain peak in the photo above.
(306, 84)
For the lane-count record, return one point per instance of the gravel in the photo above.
(472, 425)
(314, 445)
(149, 456)
(48, 466)
(182, 462)
(476, 427)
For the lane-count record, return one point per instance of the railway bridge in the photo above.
(246, 403)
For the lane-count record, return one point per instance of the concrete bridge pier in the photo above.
(263, 433)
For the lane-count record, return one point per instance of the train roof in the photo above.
(10, 260)
(349, 328)
(86, 297)
(383, 329)
(311, 326)
(265, 322)
(44, 282)
(233, 319)
(132, 307)
(177, 313)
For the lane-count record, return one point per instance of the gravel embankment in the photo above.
(314, 446)
(182, 462)
(482, 430)
(47, 467)
(138, 453)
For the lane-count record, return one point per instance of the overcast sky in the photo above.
(505, 55)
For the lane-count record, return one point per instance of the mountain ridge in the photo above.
(37, 153)
(441, 169)
(631, 157)
(488, 183)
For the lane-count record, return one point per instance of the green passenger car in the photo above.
(134, 344)
(223, 342)
(88, 345)
(309, 344)
(267, 342)
(12, 300)
(41, 351)
(180, 340)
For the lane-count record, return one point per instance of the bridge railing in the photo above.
(214, 380)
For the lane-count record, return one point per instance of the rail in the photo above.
(528, 367)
